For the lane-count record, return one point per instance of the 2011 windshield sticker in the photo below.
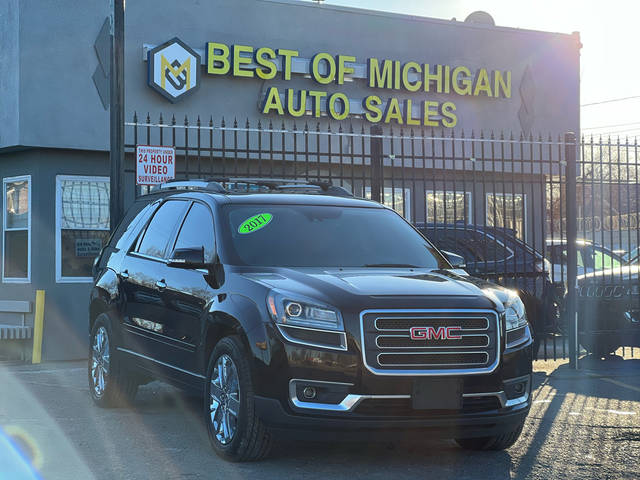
(255, 223)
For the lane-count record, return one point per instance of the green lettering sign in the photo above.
(255, 223)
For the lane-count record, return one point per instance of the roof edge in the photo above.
(417, 18)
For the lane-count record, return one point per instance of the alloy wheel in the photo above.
(225, 399)
(100, 361)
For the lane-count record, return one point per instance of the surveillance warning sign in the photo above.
(155, 165)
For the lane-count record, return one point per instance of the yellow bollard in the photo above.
(38, 326)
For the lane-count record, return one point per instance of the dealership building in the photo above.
(260, 62)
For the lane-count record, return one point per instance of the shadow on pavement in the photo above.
(580, 420)
(583, 424)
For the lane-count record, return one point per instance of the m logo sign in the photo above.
(174, 69)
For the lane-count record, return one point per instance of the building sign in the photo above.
(155, 165)
(174, 69)
(88, 247)
(386, 79)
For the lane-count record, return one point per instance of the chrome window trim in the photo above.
(343, 337)
(147, 257)
(432, 372)
(454, 346)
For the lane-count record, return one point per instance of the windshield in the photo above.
(323, 236)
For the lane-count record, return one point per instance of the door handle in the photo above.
(124, 274)
(161, 284)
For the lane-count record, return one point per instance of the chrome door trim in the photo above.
(145, 357)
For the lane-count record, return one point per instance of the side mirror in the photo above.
(187, 258)
(455, 260)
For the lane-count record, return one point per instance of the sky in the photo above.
(610, 63)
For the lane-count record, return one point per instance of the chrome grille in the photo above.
(604, 291)
(403, 341)
(405, 323)
(388, 349)
(439, 359)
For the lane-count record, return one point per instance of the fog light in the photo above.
(517, 387)
(309, 393)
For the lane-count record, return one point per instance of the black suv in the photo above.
(296, 306)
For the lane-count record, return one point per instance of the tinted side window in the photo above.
(490, 249)
(455, 243)
(161, 228)
(197, 231)
(129, 225)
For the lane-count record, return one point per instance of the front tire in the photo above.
(110, 384)
(235, 431)
(496, 442)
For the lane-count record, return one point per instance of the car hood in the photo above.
(330, 284)
(625, 273)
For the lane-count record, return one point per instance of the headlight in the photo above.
(515, 315)
(291, 309)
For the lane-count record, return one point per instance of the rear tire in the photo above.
(496, 442)
(235, 431)
(110, 383)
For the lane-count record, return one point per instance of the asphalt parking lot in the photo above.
(582, 425)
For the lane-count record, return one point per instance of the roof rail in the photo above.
(192, 185)
(216, 185)
(285, 184)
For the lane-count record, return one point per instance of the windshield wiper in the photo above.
(390, 265)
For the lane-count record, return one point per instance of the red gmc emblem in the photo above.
(431, 333)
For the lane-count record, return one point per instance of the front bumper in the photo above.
(318, 426)
(359, 401)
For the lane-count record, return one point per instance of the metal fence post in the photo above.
(116, 155)
(376, 163)
(570, 152)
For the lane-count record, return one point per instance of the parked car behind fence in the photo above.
(497, 255)
(591, 258)
(609, 309)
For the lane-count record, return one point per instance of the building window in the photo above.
(16, 245)
(448, 207)
(82, 225)
(508, 210)
(395, 197)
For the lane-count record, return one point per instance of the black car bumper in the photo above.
(348, 398)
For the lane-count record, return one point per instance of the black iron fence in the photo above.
(511, 205)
